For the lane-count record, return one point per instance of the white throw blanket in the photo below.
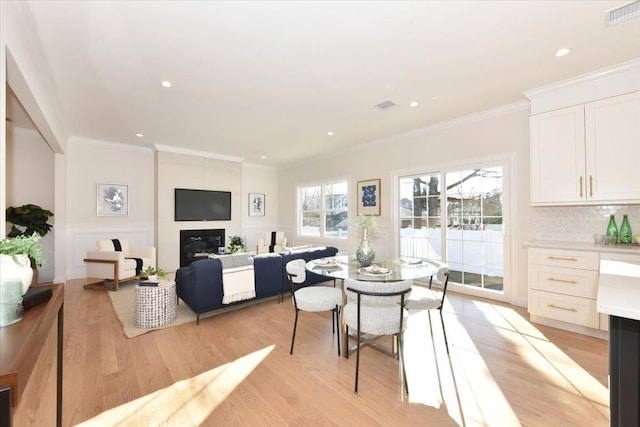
(238, 284)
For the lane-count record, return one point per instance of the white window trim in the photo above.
(508, 163)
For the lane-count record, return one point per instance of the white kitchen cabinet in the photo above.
(586, 154)
(563, 285)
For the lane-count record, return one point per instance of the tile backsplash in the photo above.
(579, 223)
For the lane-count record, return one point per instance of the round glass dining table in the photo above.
(347, 267)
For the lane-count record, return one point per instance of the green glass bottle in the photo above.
(626, 236)
(612, 230)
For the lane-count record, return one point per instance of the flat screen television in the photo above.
(202, 205)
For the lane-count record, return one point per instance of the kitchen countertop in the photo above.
(619, 288)
(584, 246)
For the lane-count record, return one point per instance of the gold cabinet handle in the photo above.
(562, 258)
(562, 308)
(571, 282)
(581, 186)
(590, 185)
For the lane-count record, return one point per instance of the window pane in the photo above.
(336, 225)
(311, 199)
(310, 224)
(420, 234)
(336, 196)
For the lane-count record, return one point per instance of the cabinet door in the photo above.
(557, 151)
(613, 148)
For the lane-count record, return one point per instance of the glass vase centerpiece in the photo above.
(365, 253)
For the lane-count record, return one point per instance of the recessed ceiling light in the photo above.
(562, 52)
(139, 135)
(264, 156)
(330, 133)
(166, 83)
(413, 104)
(434, 98)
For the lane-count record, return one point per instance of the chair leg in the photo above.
(293, 338)
(337, 326)
(357, 362)
(444, 332)
(402, 365)
(346, 331)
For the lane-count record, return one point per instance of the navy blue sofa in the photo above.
(199, 284)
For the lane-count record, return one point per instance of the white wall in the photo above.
(490, 133)
(264, 180)
(30, 179)
(89, 162)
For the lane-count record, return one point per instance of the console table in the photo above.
(27, 348)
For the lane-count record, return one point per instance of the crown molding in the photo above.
(625, 67)
(197, 153)
(106, 144)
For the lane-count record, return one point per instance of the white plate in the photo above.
(374, 271)
(409, 261)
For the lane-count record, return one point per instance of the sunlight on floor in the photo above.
(182, 402)
(476, 392)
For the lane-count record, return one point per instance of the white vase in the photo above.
(20, 267)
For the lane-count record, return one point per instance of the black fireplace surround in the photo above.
(198, 244)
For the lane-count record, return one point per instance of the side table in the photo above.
(156, 305)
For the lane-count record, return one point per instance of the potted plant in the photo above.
(20, 256)
(33, 219)
(237, 244)
(153, 273)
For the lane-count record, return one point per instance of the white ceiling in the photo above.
(275, 77)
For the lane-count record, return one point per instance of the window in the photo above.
(323, 210)
(469, 203)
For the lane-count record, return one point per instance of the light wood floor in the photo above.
(235, 370)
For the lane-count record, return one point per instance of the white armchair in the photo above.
(273, 241)
(117, 261)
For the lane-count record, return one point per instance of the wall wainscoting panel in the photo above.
(82, 238)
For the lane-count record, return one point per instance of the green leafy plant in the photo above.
(27, 245)
(367, 221)
(153, 271)
(237, 244)
(32, 219)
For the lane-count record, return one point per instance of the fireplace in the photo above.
(198, 244)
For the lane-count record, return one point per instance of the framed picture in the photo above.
(112, 199)
(369, 197)
(256, 204)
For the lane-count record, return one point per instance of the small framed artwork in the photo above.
(369, 197)
(256, 204)
(112, 199)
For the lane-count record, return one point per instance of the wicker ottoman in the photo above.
(156, 305)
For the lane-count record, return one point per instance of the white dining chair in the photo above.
(376, 309)
(314, 298)
(423, 298)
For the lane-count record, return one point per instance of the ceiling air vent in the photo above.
(385, 105)
(622, 13)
